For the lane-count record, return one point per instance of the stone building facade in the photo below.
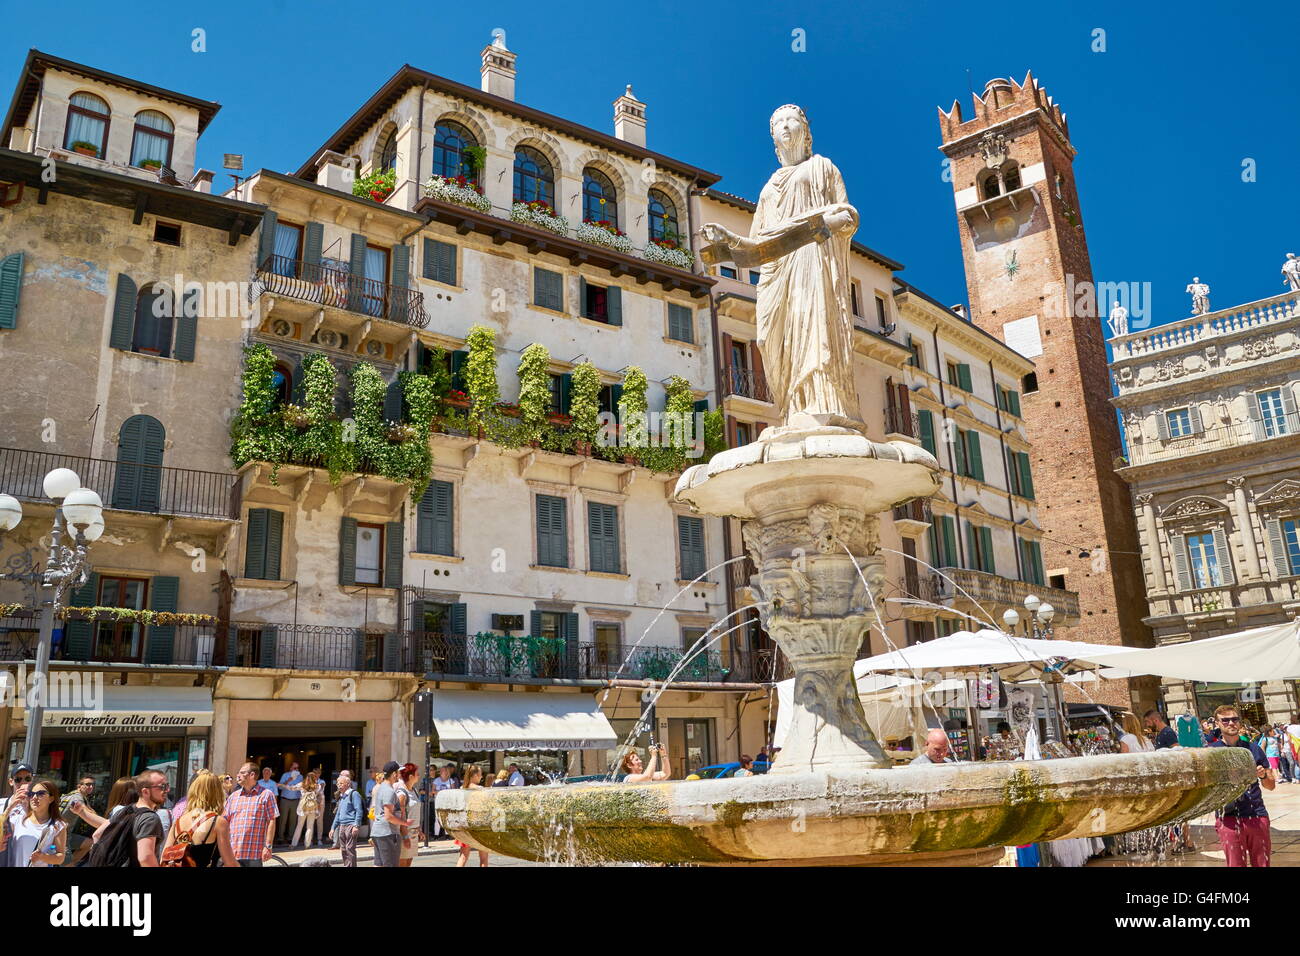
(1212, 455)
(1028, 273)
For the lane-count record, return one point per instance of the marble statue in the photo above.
(1118, 320)
(800, 237)
(1291, 272)
(1200, 293)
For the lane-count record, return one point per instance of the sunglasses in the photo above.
(22, 779)
(39, 793)
(1229, 720)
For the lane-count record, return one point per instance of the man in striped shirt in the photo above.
(251, 813)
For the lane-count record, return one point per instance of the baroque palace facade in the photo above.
(442, 297)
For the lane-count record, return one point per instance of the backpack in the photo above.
(116, 847)
(309, 803)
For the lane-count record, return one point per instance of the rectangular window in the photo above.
(168, 233)
(552, 531)
(854, 297)
(552, 625)
(943, 542)
(440, 261)
(881, 314)
(947, 625)
(595, 302)
(435, 519)
(370, 553)
(602, 537)
(1031, 562)
(959, 375)
(120, 640)
(979, 547)
(608, 638)
(742, 433)
(1203, 558)
(548, 289)
(1029, 384)
(1022, 482)
(690, 546)
(1273, 415)
(753, 277)
(1179, 422)
(1008, 400)
(970, 461)
(288, 249)
(1291, 537)
(680, 323)
(727, 272)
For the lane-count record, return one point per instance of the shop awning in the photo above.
(1246, 657)
(472, 720)
(147, 709)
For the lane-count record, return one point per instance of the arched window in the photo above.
(152, 143)
(1010, 177)
(534, 178)
(663, 217)
(138, 481)
(599, 198)
(452, 156)
(388, 154)
(87, 123)
(153, 321)
(989, 185)
(282, 383)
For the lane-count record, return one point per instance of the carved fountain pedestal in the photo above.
(809, 499)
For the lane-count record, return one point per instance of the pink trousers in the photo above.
(1246, 840)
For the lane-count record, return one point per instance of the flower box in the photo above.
(559, 418)
(539, 214)
(603, 234)
(669, 255)
(398, 432)
(85, 149)
(460, 191)
(508, 408)
(456, 399)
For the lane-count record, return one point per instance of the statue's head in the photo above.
(1196, 278)
(1290, 255)
(790, 134)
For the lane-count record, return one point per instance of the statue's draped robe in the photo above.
(805, 327)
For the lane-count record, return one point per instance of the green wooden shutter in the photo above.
(274, 543)
(357, 269)
(187, 325)
(399, 279)
(393, 401)
(312, 242)
(569, 622)
(960, 449)
(1277, 549)
(424, 520)
(255, 550)
(949, 530)
(394, 552)
(974, 459)
(534, 623)
(348, 551)
(458, 359)
(614, 305)
(690, 545)
(1014, 398)
(926, 420)
(932, 536)
(552, 532)
(77, 634)
(266, 239)
(987, 562)
(137, 482)
(268, 651)
(1223, 554)
(702, 406)
(566, 393)
(972, 548)
(1026, 479)
(583, 309)
(11, 286)
(548, 289)
(458, 622)
(440, 261)
(123, 330)
(680, 326)
(602, 537)
(1039, 577)
(162, 638)
(441, 522)
(963, 376)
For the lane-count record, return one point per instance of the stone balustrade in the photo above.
(1200, 328)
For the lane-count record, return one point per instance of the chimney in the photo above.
(960, 310)
(332, 171)
(629, 118)
(498, 70)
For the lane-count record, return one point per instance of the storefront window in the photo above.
(160, 755)
(1248, 700)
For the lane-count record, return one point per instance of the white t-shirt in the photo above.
(1136, 744)
(23, 842)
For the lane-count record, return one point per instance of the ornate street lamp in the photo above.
(1038, 624)
(80, 510)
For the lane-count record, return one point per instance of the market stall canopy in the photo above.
(893, 704)
(1247, 657)
(1014, 658)
(481, 720)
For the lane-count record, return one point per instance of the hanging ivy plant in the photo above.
(680, 412)
(534, 390)
(257, 431)
(481, 375)
(632, 408)
(437, 371)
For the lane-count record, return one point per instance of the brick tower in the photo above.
(1029, 279)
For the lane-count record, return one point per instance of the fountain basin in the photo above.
(916, 815)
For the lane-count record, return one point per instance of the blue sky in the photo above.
(1163, 119)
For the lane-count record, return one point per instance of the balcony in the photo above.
(1216, 439)
(1203, 328)
(108, 641)
(122, 486)
(744, 383)
(901, 423)
(991, 590)
(322, 285)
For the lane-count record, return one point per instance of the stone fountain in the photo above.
(809, 493)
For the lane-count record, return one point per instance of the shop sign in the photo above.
(117, 723)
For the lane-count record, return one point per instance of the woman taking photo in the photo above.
(473, 774)
(635, 772)
(202, 827)
(33, 834)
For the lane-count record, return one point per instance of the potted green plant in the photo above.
(151, 164)
(85, 148)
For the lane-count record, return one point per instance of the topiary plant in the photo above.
(481, 375)
(534, 391)
(632, 409)
(257, 431)
(584, 403)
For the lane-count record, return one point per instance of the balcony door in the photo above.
(288, 250)
(120, 641)
(137, 484)
(375, 293)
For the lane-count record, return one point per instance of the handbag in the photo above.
(178, 854)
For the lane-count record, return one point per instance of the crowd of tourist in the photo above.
(233, 819)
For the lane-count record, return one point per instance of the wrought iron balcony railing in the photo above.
(313, 282)
(126, 486)
(743, 382)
